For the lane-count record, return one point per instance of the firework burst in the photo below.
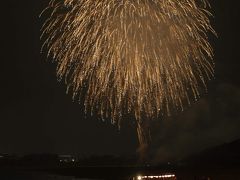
(143, 57)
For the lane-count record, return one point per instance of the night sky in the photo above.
(38, 117)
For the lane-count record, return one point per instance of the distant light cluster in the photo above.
(141, 57)
(166, 176)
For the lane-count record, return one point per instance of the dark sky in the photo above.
(38, 117)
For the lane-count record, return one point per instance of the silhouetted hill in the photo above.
(226, 155)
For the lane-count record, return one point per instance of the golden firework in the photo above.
(143, 57)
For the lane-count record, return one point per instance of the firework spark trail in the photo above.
(145, 57)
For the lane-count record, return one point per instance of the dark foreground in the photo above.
(218, 163)
(80, 173)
